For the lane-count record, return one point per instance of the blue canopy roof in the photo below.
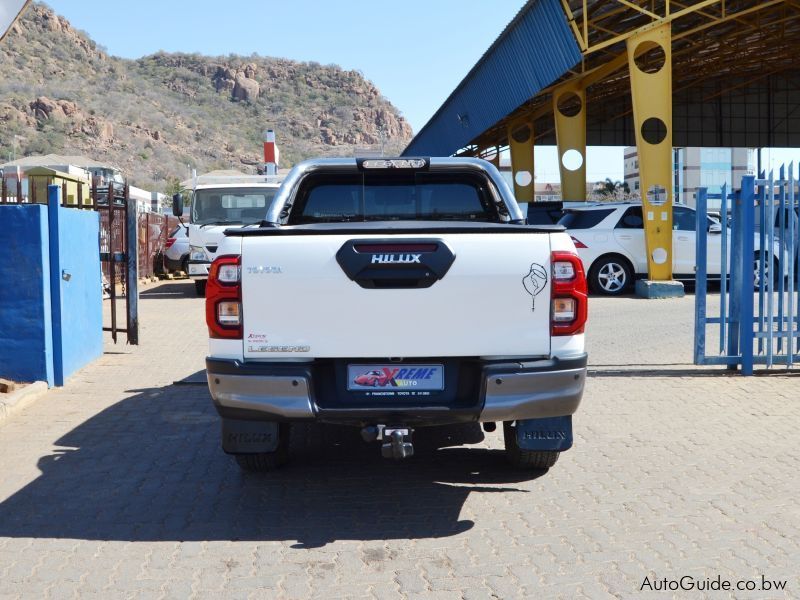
(534, 50)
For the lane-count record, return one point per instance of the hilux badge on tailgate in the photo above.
(534, 282)
(400, 259)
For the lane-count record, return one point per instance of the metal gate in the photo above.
(757, 318)
(119, 254)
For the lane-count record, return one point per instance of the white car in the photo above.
(176, 255)
(609, 238)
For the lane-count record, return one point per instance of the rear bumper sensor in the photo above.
(395, 263)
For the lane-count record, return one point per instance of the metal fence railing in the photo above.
(757, 319)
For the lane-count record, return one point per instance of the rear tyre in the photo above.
(525, 459)
(200, 288)
(610, 276)
(185, 265)
(267, 461)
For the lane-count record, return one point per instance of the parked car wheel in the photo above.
(610, 275)
(200, 287)
(185, 265)
(772, 271)
(525, 459)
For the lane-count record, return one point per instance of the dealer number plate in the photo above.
(395, 377)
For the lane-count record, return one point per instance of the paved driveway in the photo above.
(114, 486)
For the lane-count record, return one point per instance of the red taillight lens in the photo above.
(569, 294)
(170, 241)
(577, 242)
(224, 298)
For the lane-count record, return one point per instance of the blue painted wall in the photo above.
(26, 352)
(80, 323)
(51, 307)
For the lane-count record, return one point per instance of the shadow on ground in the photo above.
(150, 468)
(183, 288)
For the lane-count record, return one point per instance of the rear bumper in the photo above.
(198, 269)
(508, 391)
(174, 264)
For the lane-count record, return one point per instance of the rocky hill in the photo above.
(153, 116)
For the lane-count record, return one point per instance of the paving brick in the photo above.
(115, 487)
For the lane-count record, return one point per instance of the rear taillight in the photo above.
(170, 241)
(577, 242)
(569, 294)
(224, 298)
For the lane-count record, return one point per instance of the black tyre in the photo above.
(185, 265)
(267, 461)
(526, 459)
(772, 271)
(610, 275)
(200, 288)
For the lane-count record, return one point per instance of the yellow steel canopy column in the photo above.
(569, 110)
(650, 66)
(491, 154)
(520, 145)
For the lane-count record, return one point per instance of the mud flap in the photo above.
(249, 437)
(554, 433)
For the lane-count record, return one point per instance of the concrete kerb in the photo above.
(21, 398)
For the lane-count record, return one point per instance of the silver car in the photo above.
(176, 256)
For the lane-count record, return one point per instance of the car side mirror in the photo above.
(177, 205)
(715, 228)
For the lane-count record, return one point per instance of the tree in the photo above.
(611, 190)
(174, 186)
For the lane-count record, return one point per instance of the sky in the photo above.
(415, 51)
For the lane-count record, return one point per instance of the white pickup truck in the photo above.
(395, 294)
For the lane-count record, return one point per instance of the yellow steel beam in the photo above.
(651, 95)
(729, 16)
(520, 143)
(490, 154)
(676, 15)
(636, 7)
(571, 140)
(573, 25)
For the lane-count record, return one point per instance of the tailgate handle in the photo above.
(395, 263)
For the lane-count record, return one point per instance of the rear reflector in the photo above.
(170, 241)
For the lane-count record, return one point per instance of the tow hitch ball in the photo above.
(396, 440)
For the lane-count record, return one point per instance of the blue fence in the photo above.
(757, 247)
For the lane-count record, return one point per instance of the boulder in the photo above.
(44, 108)
(245, 89)
(99, 129)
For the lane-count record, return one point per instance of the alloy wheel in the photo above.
(612, 277)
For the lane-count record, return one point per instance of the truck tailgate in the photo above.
(492, 300)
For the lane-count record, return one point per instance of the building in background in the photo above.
(693, 168)
(83, 168)
(543, 191)
(72, 164)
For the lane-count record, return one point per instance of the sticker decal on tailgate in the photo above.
(395, 378)
(534, 282)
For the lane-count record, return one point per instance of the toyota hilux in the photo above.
(394, 294)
